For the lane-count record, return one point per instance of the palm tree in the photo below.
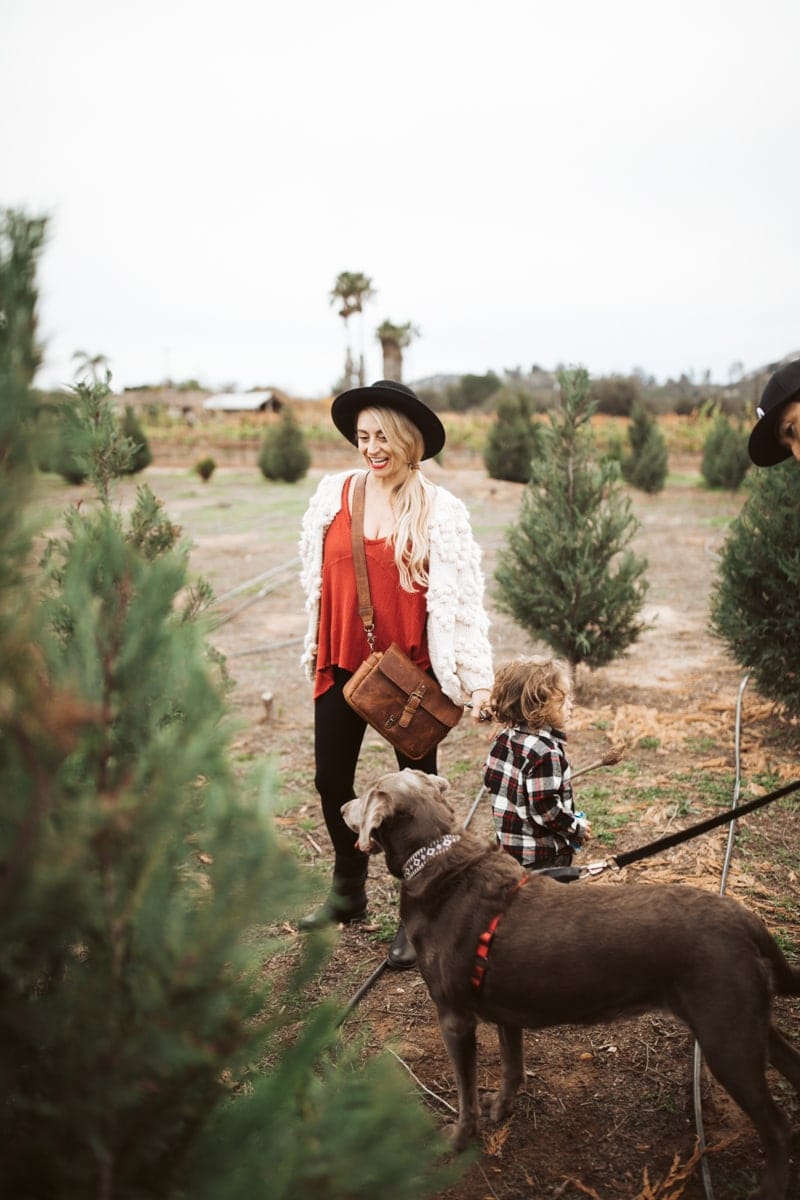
(393, 340)
(90, 365)
(22, 239)
(351, 290)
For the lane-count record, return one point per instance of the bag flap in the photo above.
(397, 667)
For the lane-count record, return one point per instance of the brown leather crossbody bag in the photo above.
(391, 693)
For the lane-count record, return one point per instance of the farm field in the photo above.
(607, 1110)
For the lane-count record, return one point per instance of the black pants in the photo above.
(338, 734)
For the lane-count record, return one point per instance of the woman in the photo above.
(777, 434)
(427, 591)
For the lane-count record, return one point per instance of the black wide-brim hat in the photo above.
(764, 447)
(386, 393)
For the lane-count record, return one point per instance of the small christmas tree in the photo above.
(566, 574)
(725, 458)
(284, 454)
(755, 603)
(513, 439)
(137, 873)
(645, 467)
(131, 428)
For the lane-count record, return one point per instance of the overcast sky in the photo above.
(610, 183)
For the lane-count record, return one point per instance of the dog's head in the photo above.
(401, 812)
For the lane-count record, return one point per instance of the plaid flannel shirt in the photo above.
(527, 774)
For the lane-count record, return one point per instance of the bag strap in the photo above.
(365, 609)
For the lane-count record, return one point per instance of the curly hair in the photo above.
(530, 691)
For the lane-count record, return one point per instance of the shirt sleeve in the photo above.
(549, 795)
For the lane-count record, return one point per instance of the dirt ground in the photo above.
(607, 1111)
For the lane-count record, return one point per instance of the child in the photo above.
(527, 771)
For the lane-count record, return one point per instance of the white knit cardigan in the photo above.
(458, 627)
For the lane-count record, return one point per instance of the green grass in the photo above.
(705, 788)
(607, 815)
(386, 923)
(702, 744)
(461, 769)
(611, 807)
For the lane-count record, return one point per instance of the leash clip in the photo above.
(597, 867)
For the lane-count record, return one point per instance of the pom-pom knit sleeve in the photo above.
(458, 626)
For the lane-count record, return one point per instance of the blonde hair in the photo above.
(411, 499)
(530, 691)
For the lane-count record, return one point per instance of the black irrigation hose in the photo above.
(705, 1172)
(358, 996)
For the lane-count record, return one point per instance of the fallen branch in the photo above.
(419, 1082)
(612, 756)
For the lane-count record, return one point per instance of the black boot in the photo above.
(402, 954)
(347, 901)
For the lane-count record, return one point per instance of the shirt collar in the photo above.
(543, 731)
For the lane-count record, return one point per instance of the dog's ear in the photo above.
(371, 812)
(440, 785)
(438, 781)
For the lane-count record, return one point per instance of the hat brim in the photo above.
(347, 406)
(763, 446)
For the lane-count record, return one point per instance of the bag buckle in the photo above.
(412, 704)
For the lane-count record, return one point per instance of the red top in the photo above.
(399, 616)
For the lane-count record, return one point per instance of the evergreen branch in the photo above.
(20, 852)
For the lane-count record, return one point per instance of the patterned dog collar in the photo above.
(425, 853)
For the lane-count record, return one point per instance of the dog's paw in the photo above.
(495, 1107)
(458, 1136)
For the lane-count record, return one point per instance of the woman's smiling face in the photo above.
(789, 428)
(383, 462)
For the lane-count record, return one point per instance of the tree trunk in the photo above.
(392, 360)
(349, 371)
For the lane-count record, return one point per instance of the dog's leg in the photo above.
(736, 1055)
(784, 1057)
(500, 1104)
(458, 1035)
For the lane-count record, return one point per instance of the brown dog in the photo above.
(576, 954)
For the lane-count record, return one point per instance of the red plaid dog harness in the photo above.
(487, 937)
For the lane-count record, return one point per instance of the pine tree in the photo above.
(284, 454)
(513, 439)
(22, 239)
(136, 870)
(755, 603)
(566, 574)
(646, 466)
(725, 458)
(131, 428)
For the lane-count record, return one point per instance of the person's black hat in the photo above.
(763, 447)
(386, 393)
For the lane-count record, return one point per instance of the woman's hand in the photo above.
(480, 704)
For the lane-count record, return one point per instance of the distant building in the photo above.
(243, 402)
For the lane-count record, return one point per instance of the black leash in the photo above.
(618, 861)
(683, 835)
